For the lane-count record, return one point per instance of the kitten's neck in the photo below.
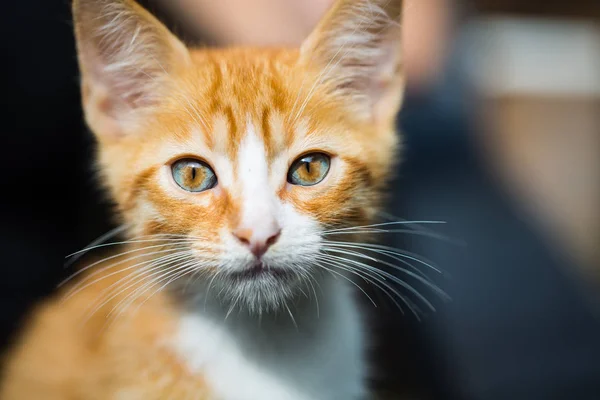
(268, 335)
(315, 355)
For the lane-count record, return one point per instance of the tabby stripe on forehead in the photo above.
(235, 136)
(217, 82)
(279, 98)
(267, 133)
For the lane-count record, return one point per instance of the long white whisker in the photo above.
(85, 284)
(232, 307)
(176, 274)
(291, 315)
(391, 231)
(348, 279)
(309, 280)
(126, 302)
(381, 252)
(390, 277)
(379, 283)
(159, 270)
(101, 239)
(130, 242)
(92, 265)
(210, 285)
(374, 247)
(426, 282)
(122, 285)
(417, 226)
(386, 224)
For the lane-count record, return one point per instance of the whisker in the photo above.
(404, 231)
(189, 239)
(132, 279)
(126, 302)
(419, 278)
(101, 239)
(157, 271)
(417, 225)
(325, 72)
(378, 283)
(83, 285)
(387, 249)
(191, 280)
(139, 277)
(386, 224)
(348, 279)
(297, 96)
(384, 253)
(291, 314)
(389, 276)
(183, 270)
(112, 257)
(232, 307)
(310, 279)
(210, 285)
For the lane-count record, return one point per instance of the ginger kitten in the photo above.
(238, 174)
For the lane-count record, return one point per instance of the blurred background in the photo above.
(502, 141)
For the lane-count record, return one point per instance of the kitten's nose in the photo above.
(258, 241)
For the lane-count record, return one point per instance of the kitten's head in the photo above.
(244, 160)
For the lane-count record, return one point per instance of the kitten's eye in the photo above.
(193, 175)
(309, 169)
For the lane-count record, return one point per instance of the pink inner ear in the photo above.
(127, 86)
(124, 54)
(358, 46)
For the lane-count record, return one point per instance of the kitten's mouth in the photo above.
(260, 270)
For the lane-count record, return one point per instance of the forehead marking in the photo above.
(253, 179)
(220, 134)
(234, 134)
(296, 133)
(266, 130)
(252, 160)
(277, 127)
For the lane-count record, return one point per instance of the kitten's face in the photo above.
(248, 158)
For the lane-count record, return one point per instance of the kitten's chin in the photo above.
(260, 271)
(257, 289)
(261, 290)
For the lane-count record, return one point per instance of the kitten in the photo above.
(236, 173)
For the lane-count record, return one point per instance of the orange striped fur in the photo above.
(248, 114)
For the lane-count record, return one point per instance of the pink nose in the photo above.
(257, 242)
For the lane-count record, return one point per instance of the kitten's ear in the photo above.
(357, 48)
(125, 56)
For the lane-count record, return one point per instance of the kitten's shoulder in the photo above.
(46, 354)
(82, 347)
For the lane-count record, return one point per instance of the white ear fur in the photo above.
(125, 54)
(357, 50)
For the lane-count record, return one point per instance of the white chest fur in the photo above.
(242, 358)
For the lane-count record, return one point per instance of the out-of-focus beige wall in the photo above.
(540, 83)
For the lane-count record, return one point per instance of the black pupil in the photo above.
(193, 173)
(307, 163)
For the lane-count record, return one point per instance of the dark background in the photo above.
(517, 328)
